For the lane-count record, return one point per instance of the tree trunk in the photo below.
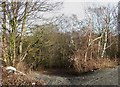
(14, 28)
(105, 44)
(4, 41)
(118, 30)
(22, 31)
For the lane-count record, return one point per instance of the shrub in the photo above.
(50, 49)
(80, 65)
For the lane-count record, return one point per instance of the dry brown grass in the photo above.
(106, 63)
(22, 67)
(81, 66)
(18, 79)
(27, 77)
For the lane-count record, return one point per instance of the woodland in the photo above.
(31, 42)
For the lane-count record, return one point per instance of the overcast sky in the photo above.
(78, 6)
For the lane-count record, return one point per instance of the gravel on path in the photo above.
(99, 77)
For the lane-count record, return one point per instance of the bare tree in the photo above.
(118, 29)
(16, 18)
(104, 22)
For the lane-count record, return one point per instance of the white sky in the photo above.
(78, 6)
(91, 0)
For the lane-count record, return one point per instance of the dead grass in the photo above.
(106, 63)
(81, 66)
(23, 67)
(19, 79)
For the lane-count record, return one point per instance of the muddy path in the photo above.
(99, 77)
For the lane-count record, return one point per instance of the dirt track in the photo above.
(100, 77)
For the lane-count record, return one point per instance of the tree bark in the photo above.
(23, 30)
(4, 41)
(118, 30)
